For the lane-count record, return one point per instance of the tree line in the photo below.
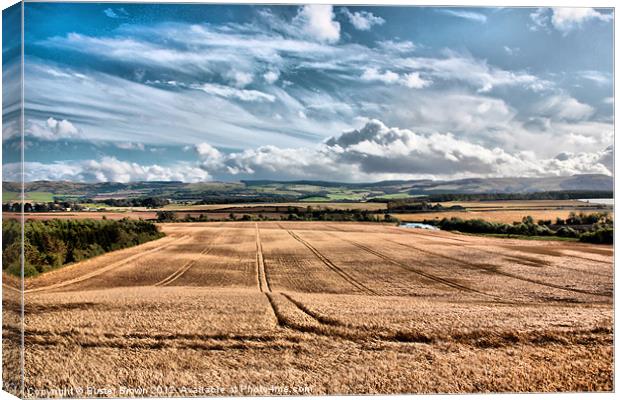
(43, 206)
(290, 213)
(50, 244)
(415, 205)
(148, 202)
(590, 228)
(550, 195)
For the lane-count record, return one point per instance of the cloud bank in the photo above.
(566, 19)
(371, 153)
(106, 169)
(376, 151)
(269, 91)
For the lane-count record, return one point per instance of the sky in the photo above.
(135, 92)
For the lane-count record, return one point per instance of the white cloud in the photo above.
(300, 113)
(404, 46)
(469, 115)
(251, 48)
(271, 76)
(376, 151)
(595, 135)
(317, 21)
(130, 146)
(580, 140)
(110, 13)
(106, 169)
(106, 105)
(598, 77)
(210, 156)
(456, 67)
(470, 15)
(410, 80)
(116, 13)
(540, 18)
(581, 163)
(372, 152)
(563, 107)
(242, 79)
(230, 92)
(363, 20)
(607, 158)
(52, 129)
(373, 74)
(511, 50)
(566, 19)
(414, 81)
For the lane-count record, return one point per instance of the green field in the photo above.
(394, 196)
(9, 196)
(31, 196)
(314, 199)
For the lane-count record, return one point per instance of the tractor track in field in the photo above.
(328, 263)
(575, 256)
(591, 259)
(495, 270)
(332, 328)
(108, 268)
(11, 288)
(530, 261)
(317, 328)
(145, 340)
(261, 272)
(188, 265)
(471, 245)
(409, 268)
(314, 315)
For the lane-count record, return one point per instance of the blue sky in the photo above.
(127, 92)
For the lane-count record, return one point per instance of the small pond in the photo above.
(418, 225)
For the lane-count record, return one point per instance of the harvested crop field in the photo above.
(509, 211)
(317, 205)
(505, 216)
(320, 308)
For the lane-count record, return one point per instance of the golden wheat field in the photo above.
(506, 216)
(318, 308)
(509, 211)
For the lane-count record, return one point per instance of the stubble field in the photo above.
(320, 308)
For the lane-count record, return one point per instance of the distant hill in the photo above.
(309, 190)
(594, 182)
(521, 185)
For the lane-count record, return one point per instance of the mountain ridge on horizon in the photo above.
(300, 189)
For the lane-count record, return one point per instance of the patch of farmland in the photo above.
(339, 308)
(504, 216)
(228, 261)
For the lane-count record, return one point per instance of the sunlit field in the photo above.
(323, 308)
